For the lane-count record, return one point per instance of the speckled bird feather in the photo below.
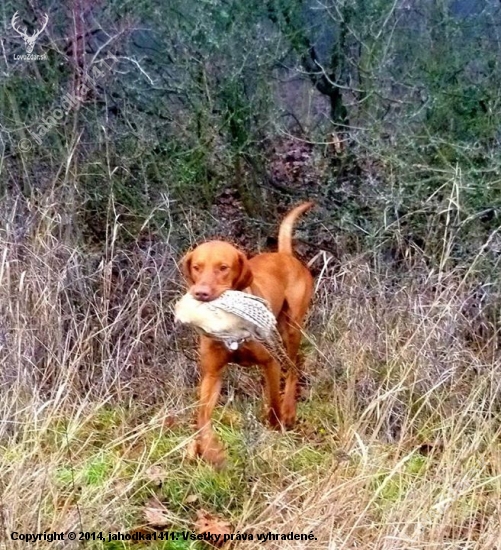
(235, 317)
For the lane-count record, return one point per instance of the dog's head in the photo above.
(213, 267)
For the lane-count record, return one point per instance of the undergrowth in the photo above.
(397, 442)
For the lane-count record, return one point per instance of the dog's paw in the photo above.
(210, 449)
(288, 416)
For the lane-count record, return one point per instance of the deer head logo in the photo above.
(29, 41)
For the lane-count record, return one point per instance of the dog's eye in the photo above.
(224, 268)
(196, 268)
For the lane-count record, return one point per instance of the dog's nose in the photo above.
(202, 295)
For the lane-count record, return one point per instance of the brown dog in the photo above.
(287, 285)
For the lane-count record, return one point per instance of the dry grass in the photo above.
(397, 445)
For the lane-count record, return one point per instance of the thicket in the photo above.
(385, 112)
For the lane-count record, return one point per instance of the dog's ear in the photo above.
(186, 268)
(244, 278)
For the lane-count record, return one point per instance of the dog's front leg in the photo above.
(212, 362)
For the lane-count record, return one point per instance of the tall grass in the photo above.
(397, 446)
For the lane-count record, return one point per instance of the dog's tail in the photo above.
(285, 231)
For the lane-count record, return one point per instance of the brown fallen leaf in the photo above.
(211, 524)
(136, 451)
(169, 421)
(156, 474)
(156, 514)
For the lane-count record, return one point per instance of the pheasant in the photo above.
(234, 318)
